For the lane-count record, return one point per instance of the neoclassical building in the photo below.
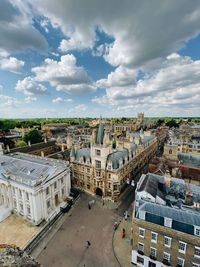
(32, 186)
(103, 170)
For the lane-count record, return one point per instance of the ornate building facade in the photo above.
(105, 171)
(33, 187)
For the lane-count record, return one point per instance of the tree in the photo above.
(159, 122)
(172, 123)
(20, 143)
(34, 136)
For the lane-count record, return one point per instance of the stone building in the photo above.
(105, 171)
(166, 222)
(33, 187)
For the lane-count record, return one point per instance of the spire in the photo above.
(100, 134)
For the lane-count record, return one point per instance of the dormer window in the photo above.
(197, 230)
(168, 222)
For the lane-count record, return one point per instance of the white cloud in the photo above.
(77, 110)
(142, 30)
(16, 27)
(65, 75)
(8, 101)
(44, 24)
(11, 64)
(174, 85)
(59, 100)
(30, 99)
(30, 87)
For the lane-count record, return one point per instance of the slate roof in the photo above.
(115, 157)
(184, 216)
(83, 152)
(189, 159)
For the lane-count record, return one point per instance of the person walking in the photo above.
(88, 244)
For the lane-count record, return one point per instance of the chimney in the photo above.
(62, 148)
(8, 148)
(29, 143)
(189, 199)
(167, 178)
(1, 149)
(45, 140)
(42, 154)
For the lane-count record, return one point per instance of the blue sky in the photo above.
(86, 58)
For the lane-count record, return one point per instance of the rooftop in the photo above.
(172, 198)
(29, 169)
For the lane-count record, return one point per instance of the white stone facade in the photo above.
(33, 187)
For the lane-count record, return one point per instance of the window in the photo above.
(21, 207)
(182, 247)
(55, 185)
(197, 230)
(63, 191)
(48, 204)
(61, 180)
(27, 196)
(98, 164)
(47, 190)
(28, 210)
(197, 252)
(170, 151)
(167, 241)
(140, 260)
(141, 232)
(180, 262)
(166, 256)
(142, 214)
(153, 252)
(141, 247)
(20, 193)
(98, 173)
(97, 152)
(168, 222)
(154, 237)
(109, 185)
(88, 170)
(115, 187)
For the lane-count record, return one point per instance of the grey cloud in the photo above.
(16, 28)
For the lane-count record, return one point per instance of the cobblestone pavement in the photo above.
(68, 246)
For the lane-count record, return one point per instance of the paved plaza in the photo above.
(68, 247)
(15, 230)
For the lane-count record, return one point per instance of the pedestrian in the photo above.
(88, 244)
(89, 206)
(103, 203)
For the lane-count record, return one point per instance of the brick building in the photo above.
(166, 222)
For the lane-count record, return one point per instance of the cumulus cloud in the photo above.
(16, 28)
(142, 30)
(65, 75)
(8, 101)
(11, 64)
(59, 100)
(30, 87)
(30, 99)
(175, 84)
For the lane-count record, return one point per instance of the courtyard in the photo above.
(68, 247)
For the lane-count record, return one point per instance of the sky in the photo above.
(75, 58)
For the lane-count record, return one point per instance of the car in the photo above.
(65, 207)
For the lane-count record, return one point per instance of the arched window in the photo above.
(170, 151)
